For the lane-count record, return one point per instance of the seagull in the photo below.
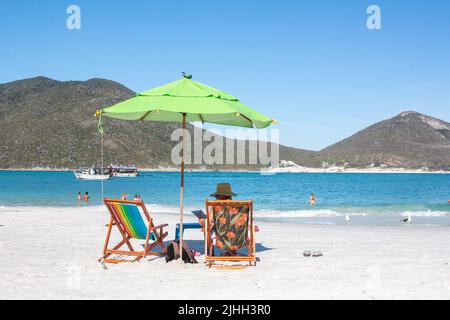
(347, 217)
(407, 220)
(187, 76)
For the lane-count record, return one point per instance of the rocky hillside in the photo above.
(410, 140)
(47, 123)
(50, 124)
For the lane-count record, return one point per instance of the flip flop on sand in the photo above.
(317, 254)
(307, 253)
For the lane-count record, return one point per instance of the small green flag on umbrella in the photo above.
(184, 101)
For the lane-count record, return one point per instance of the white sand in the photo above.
(52, 254)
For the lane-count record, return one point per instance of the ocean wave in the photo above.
(312, 213)
(300, 213)
(426, 213)
(333, 212)
(330, 213)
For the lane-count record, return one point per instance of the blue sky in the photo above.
(313, 65)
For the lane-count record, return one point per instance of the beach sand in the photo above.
(51, 253)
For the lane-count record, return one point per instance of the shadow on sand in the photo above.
(199, 245)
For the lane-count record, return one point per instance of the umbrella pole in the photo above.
(182, 189)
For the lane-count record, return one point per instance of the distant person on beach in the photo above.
(312, 200)
(79, 196)
(137, 197)
(124, 196)
(86, 197)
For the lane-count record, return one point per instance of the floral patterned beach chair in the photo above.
(230, 228)
(127, 217)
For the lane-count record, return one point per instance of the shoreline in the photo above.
(264, 171)
(319, 215)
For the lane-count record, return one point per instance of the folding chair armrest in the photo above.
(158, 227)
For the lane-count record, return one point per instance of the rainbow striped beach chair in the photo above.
(127, 216)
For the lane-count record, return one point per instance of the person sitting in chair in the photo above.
(223, 192)
(230, 223)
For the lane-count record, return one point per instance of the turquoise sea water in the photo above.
(366, 197)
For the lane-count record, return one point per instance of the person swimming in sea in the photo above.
(312, 199)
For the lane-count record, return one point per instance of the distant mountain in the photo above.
(47, 123)
(50, 124)
(410, 140)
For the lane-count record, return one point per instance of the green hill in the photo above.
(50, 124)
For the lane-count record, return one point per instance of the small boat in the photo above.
(124, 171)
(91, 174)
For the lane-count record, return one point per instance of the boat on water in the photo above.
(124, 171)
(92, 174)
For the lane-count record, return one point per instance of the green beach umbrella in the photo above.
(184, 101)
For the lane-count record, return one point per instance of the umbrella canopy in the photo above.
(199, 102)
(184, 101)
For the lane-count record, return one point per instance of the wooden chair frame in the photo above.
(211, 260)
(115, 220)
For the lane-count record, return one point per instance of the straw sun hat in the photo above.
(223, 189)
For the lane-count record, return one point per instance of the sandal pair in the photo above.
(312, 254)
